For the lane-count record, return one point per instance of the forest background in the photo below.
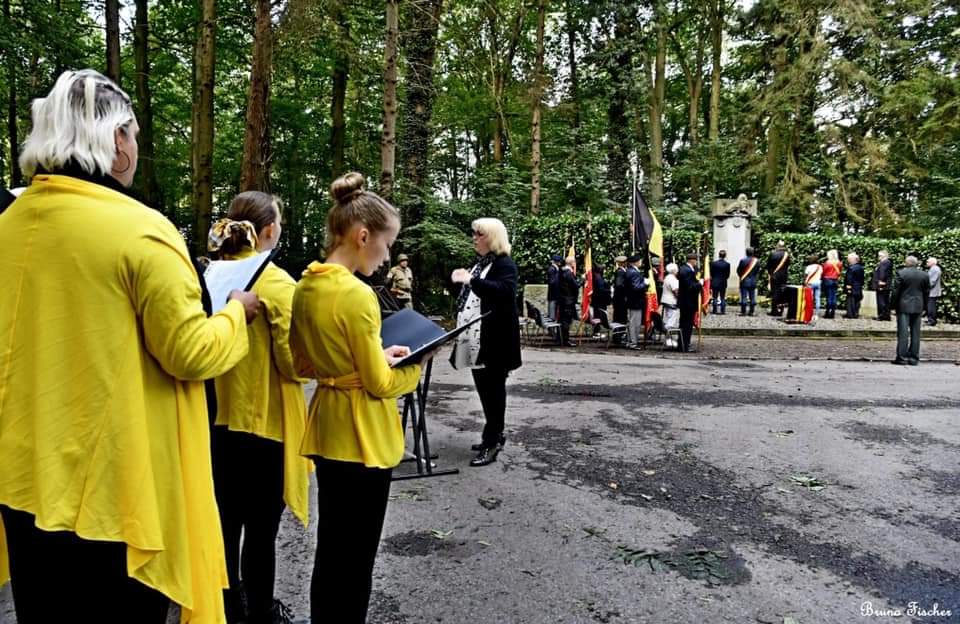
(841, 117)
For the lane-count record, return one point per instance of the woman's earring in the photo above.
(124, 170)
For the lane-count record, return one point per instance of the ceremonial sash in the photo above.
(783, 261)
(748, 269)
(813, 277)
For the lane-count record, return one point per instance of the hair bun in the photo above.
(346, 187)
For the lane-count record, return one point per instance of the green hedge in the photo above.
(945, 246)
(535, 239)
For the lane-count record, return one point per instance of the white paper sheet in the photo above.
(222, 276)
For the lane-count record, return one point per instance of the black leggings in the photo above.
(351, 505)
(59, 577)
(492, 387)
(248, 480)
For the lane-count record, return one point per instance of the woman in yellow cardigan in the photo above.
(257, 466)
(106, 489)
(353, 429)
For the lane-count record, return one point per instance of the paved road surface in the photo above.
(691, 470)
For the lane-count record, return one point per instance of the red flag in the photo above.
(652, 302)
(587, 285)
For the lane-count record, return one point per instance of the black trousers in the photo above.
(248, 481)
(492, 387)
(883, 304)
(352, 502)
(778, 297)
(566, 313)
(59, 577)
(686, 327)
(853, 305)
(932, 310)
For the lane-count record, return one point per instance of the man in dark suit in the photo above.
(688, 300)
(909, 298)
(881, 282)
(568, 292)
(853, 281)
(719, 275)
(553, 285)
(777, 265)
(620, 291)
(747, 270)
(635, 287)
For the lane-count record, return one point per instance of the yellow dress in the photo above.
(103, 421)
(263, 395)
(335, 336)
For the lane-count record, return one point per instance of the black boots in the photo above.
(487, 455)
(479, 445)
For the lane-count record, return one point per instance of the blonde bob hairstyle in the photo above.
(496, 233)
(77, 122)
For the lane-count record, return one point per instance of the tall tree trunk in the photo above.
(716, 40)
(618, 129)
(388, 144)
(112, 18)
(341, 67)
(574, 76)
(147, 167)
(420, 46)
(775, 130)
(538, 78)
(202, 131)
(501, 67)
(656, 112)
(255, 168)
(16, 177)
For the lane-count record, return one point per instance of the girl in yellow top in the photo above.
(353, 429)
(106, 489)
(257, 466)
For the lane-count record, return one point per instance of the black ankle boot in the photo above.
(487, 455)
(479, 445)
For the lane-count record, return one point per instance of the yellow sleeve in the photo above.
(278, 302)
(165, 291)
(362, 328)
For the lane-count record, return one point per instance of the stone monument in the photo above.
(731, 231)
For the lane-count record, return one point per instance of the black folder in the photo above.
(411, 329)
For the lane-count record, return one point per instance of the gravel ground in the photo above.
(638, 487)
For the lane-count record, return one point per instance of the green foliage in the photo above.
(535, 239)
(945, 246)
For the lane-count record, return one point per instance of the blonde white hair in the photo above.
(496, 233)
(672, 268)
(77, 122)
(833, 255)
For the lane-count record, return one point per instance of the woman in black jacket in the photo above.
(491, 350)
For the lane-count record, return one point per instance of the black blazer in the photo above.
(499, 332)
(719, 273)
(883, 273)
(910, 291)
(690, 289)
(853, 279)
(776, 256)
(601, 291)
(568, 290)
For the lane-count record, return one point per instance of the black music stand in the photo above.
(414, 407)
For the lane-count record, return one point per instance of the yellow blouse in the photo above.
(336, 336)
(262, 395)
(103, 422)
